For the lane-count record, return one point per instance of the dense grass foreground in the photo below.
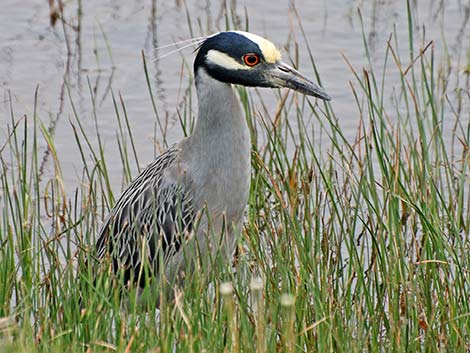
(357, 246)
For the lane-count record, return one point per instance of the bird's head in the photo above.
(247, 59)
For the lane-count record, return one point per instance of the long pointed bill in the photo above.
(282, 75)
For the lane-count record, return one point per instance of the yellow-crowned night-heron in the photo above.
(190, 201)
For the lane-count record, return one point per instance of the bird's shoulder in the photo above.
(166, 171)
(157, 190)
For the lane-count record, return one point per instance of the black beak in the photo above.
(283, 75)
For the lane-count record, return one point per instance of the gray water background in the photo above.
(35, 53)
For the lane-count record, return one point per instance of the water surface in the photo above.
(99, 47)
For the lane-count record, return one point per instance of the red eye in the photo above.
(251, 59)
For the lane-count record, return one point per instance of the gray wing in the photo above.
(150, 219)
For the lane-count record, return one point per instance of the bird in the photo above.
(188, 204)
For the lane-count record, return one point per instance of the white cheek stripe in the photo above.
(224, 60)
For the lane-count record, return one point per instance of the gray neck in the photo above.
(220, 146)
(221, 126)
(219, 108)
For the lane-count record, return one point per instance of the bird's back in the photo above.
(149, 220)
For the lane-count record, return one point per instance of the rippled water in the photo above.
(100, 47)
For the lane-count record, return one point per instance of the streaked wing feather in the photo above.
(149, 219)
